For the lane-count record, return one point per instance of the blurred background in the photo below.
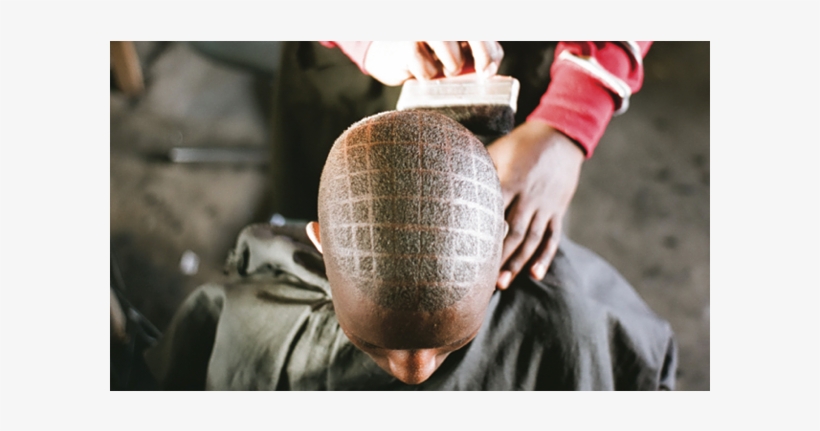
(189, 143)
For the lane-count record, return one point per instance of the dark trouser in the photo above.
(319, 93)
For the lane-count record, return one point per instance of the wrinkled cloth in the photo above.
(272, 327)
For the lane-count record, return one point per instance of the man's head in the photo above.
(412, 226)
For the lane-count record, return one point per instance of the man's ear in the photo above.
(312, 230)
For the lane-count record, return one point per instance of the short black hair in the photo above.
(411, 210)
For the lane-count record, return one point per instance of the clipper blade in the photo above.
(485, 106)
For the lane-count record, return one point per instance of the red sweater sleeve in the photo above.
(579, 103)
(356, 51)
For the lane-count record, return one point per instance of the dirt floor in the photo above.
(642, 202)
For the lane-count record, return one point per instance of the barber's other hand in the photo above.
(392, 63)
(539, 168)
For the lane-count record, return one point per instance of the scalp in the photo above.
(411, 210)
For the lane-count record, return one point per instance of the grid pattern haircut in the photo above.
(410, 205)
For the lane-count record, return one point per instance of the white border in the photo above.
(54, 167)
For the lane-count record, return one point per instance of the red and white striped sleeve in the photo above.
(590, 82)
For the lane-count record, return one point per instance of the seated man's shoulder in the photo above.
(274, 280)
(583, 308)
(583, 286)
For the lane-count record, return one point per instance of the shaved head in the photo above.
(411, 212)
(412, 225)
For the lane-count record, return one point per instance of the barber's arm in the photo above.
(539, 162)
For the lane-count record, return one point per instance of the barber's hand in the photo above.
(539, 168)
(392, 63)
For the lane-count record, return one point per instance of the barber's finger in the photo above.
(487, 56)
(508, 194)
(518, 221)
(529, 246)
(449, 54)
(422, 65)
(518, 218)
(547, 251)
